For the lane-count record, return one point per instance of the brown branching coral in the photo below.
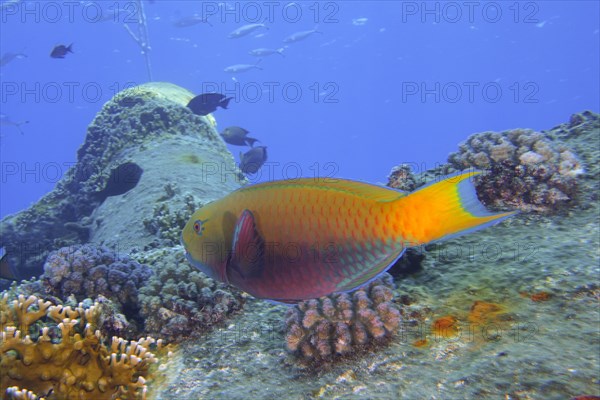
(342, 323)
(56, 350)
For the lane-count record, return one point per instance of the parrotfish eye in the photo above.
(199, 226)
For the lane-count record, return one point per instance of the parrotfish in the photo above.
(293, 240)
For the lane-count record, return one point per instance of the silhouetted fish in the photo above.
(245, 30)
(8, 57)
(237, 136)
(61, 51)
(253, 159)
(242, 67)
(121, 180)
(205, 103)
(5, 121)
(7, 271)
(263, 52)
(296, 37)
(191, 21)
(112, 15)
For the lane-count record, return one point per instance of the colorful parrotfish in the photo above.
(300, 239)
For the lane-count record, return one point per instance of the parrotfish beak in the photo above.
(218, 274)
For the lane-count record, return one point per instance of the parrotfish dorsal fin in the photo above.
(248, 247)
(360, 189)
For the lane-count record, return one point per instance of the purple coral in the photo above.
(89, 271)
(342, 323)
(528, 170)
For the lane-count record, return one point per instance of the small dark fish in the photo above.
(237, 136)
(245, 30)
(61, 51)
(242, 67)
(5, 121)
(7, 270)
(298, 36)
(253, 159)
(206, 103)
(121, 180)
(263, 52)
(8, 57)
(191, 21)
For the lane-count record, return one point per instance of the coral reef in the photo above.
(57, 351)
(341, 323)
(527, 170)
(402, 178)
(89, 271)
(167, 224)
(180, 300)
(581, 130)
(14, 393)
(148, 126)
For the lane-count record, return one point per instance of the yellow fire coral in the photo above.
(56, 352)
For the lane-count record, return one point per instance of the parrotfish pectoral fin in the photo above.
(248, 247)
(446, 209)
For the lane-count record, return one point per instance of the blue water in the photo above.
(385, 82)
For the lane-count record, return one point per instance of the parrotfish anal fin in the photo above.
(248, 247)
(369, 274)
(335, 185)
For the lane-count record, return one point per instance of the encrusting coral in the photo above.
(341, 323)
(528, 170)
(179, 300)
(89, 271)
(57, 352)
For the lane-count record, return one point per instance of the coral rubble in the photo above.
(527, 170)
(341, 323)
(56, 350)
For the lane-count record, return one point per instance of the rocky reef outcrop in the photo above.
(146, 162)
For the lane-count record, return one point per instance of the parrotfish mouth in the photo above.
(219, 275)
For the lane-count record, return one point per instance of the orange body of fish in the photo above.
(300, 239)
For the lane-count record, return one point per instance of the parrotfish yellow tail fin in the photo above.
(443, 209)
